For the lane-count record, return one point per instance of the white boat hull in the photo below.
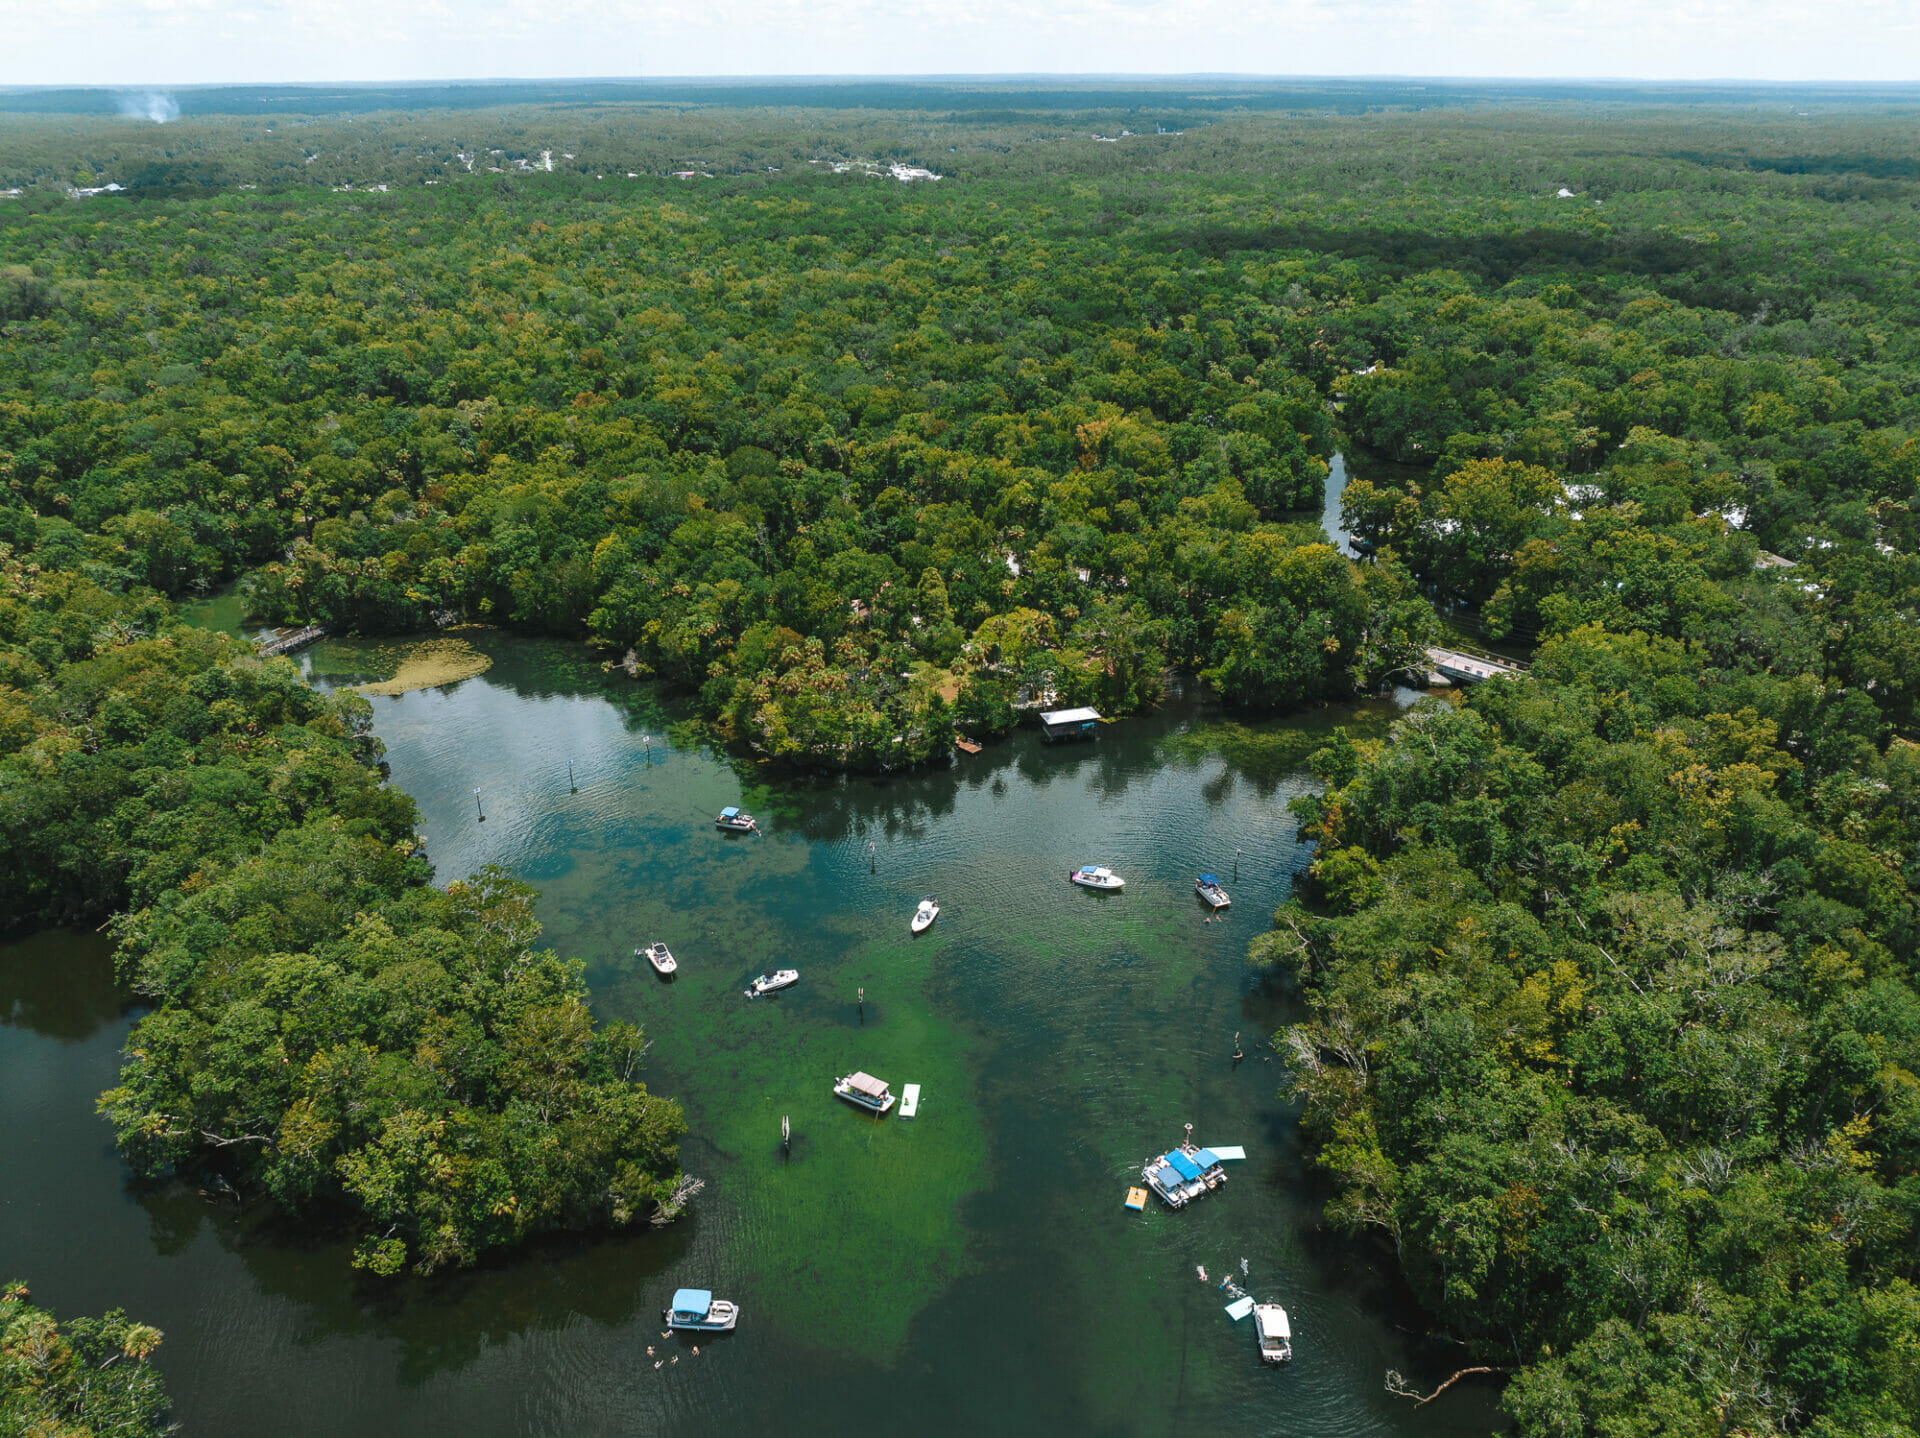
(720, 1319)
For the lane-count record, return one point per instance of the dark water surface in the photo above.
(969, 1271)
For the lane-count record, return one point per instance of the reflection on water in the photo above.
(970, 1270)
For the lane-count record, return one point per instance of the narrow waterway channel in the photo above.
(971, 1270)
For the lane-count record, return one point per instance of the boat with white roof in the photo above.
(698, 1310)
(924, 916)
(863, 1090)
(1096, 876)
(661, 957)
(1270, 1326)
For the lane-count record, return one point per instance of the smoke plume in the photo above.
(149, 105)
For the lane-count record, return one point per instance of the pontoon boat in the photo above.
(699, 1310)
(1270, 1326)
(865, 1091)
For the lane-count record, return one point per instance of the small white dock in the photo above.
(909, 1100)
(1465, 666)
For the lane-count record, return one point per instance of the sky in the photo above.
(181, 42)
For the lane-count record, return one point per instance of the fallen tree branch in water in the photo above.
(1397, 1385)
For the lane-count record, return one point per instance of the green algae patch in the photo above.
(861, 1227)
(429, 665)
(844, 1240)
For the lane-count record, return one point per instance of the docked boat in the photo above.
(734, 821)
(1180, 1175)
(924, 916)
(1210, 892)
(863, 1090)
(1096, 876)
(660, 956)
(1270, 1326)
(698, 1310)
(773, 982)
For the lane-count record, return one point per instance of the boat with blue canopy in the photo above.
(1207, 886)
(1096, 876)
(1180, 1175)
(735, 821)
(697, 1309)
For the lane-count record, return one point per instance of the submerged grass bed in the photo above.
(429, 665)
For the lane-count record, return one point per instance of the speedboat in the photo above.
(1210, 892)
(734, 821)
(700, 1311)
(660, 956)
(1274, 1332)
(924, 916)
(863, 1090)
(769, 983)
(1096, 876)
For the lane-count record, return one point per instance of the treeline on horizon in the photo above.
(1004, 94)
(1610, 971)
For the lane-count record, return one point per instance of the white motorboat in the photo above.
(1096, 876)
(700, 1311)
(1210, 892)
(773, 982)
(735, 822)
(863, 1090)
(1270, 1326)
(660, 956)
(924, 916)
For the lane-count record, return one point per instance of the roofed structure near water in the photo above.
(1069, 724)
(692, 1300)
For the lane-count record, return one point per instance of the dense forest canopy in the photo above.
(76, 1379)
(1609, 971)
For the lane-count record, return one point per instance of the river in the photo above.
(970, 1270)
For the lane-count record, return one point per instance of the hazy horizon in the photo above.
(181, 43)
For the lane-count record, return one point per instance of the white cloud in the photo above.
(159, 42)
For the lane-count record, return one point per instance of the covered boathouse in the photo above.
(1069, 724)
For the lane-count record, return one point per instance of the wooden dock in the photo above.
(1470, 666)
(286, 641)
(967, 746)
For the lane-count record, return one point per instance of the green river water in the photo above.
(969, 1271)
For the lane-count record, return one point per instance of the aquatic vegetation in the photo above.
(430, 664)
